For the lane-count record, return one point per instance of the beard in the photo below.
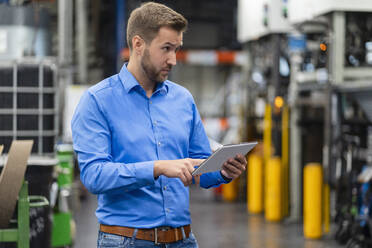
(150, 70)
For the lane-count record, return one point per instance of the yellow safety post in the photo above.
(327, 210)
(255, 184)
(313, 188)
(273, 187)
(285, 160)
(267, 133)
(230, 191)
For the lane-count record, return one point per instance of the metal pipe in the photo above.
(295, 141)
(81, 30)
(337, 51)
(65, 32)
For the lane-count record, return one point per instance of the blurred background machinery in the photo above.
(324, 47)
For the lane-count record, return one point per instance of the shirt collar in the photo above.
(130, 82)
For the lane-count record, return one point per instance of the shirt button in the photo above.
(155, 123)
(159, 143)
(165, 188)
(167, 210)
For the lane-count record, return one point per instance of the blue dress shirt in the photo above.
(118, 133)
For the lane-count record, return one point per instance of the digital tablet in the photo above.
(215, 161)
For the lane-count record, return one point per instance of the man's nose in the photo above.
(172, 60)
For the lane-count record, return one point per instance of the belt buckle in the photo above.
(163, 229)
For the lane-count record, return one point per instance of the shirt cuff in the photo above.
(212, 179)
(145, 173)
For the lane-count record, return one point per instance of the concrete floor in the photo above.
(216, 225)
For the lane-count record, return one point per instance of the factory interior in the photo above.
(295, 76)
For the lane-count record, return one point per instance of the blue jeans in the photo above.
(107, 240)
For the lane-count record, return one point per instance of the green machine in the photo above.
(63, 231)
(21, 234)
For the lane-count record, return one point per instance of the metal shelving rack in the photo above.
(29, 103)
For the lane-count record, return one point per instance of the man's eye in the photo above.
(166, 49)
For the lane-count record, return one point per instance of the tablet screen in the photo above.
(215, 161)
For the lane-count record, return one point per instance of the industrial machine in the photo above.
(315, 58)
(330, 79)
(263, 28)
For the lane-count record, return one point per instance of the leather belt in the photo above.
(157, 235)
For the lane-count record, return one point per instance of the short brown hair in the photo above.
(147, 19)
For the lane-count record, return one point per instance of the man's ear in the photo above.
(138, 44)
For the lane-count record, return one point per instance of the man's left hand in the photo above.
(233, 167)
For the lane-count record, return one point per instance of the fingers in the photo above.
(237, 164)
(183, 179)
(231, 169)
(189, 165)
(234, 167)
(241, 159)
(188, 176)
(195, 162)
(187, 169)
(229, 174)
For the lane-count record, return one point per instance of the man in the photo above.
(138, 138)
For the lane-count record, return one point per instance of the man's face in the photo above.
(160, 56)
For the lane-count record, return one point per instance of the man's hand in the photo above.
(233, 167)
(181, 168)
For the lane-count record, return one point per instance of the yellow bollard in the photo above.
(313, 187)
(273, 188)
(327, 210)
(255, 184)
(267, 133)
(230, 191)
(285, 159)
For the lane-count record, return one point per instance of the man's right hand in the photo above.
(181, 168)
